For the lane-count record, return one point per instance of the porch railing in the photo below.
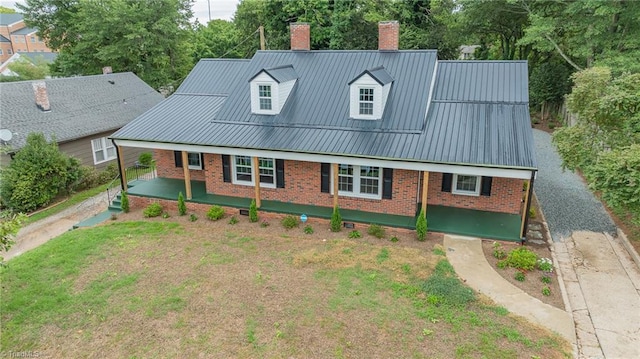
(138, 172)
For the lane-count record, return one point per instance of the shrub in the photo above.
(152, 210)
(355, 234)
(289, 222)
(193, 217)
(308, 229)
(376, 231)
(215, 213)
(545, 279)
(124, 202)
(264, 224)
(532, 212)
(519, 276)
(421, 226)
(145, 158)
(545, 264)
(253, 211)
(182, 206)
(336, 220)
(394, 239)
(546, 291)
(233, 220)
(165, 214)
(521, 258)
(498, 251)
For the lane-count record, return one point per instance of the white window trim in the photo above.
(105, 143)
(270, 97)
(255, 100)
(194, 167)
(234, 179)
(356, 184)
(373, 103)
(455, 190)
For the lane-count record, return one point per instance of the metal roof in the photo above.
(8, 19)
(280, 74)
(484, 125)
(379, 74)
(80, 106)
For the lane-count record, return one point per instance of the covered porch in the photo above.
(440, 218)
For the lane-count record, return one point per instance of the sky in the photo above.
(220, 9)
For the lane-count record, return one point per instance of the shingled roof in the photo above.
(467, 113)
(80, 106)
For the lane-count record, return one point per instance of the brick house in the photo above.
(79, 112)
(382, 134)
(16, 37)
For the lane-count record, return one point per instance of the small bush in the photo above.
(124, 202)
(145, 158)
(182, 206)
(376, 231)
(546, 291)
(233, 220)
(193, 217)
(215, 213)
(289, 222)
(421, 226)
(152, 210)
(519, 276)
(545, 279)
(355, 234)
(253, 211)
(394, 239)
(264, 224)
(498, 251)
(545, 265)
(532, 212)
(336, 220)
(521, 258)
(165, 214)
(308, 229)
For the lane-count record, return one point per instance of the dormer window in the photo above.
(368, 94)
(264, 95)
(270, 89)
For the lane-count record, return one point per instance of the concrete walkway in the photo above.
(37, 233)
(467, 257)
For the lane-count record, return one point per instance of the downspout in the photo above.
(119, 166)
(526, 218)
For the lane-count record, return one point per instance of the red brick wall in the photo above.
(506, 195)
(166, 166)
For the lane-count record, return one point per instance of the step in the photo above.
(113, 208)
(90, 222)
(116, 202)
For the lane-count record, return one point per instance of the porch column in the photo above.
(187, 174)
(335, 184)
(256, 179)
(122, 168)
(527, 206)
(425, 190)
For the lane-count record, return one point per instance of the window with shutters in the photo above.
(466, 185)
(103, 150)
(359, 181)
(243, 171)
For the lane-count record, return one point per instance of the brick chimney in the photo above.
(388, 35)
(42, 98)
(300, 36)
(107, 70)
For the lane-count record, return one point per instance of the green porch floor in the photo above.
(440, 218)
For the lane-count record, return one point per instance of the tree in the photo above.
(182, 206)
(7, 10)
(219, 38)
(253, 211)
(421, 226)
(9, 226)
(336, 220)
(147, 37)
(37, 174)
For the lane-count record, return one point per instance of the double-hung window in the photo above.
(466, 185)
(195, 160)
(243, 171)
(103, 150)
(264, 96)
(360, 181)
(366, 101)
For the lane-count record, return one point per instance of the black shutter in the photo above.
(325, 173)
(226, 168)
(202, 160)
(177, 156)
(447, 178)
(485, 186)
(279, 173)
(387, 181)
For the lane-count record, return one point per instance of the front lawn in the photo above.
(170, 287)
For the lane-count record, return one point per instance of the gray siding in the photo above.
(82, 150)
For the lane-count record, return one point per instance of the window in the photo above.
(103, 150)
(9, 51)
(366, 101)
(194, 159)
(243, 171)
(264, 96)
(33, 39)
(466, 185)
(359, 181)
(1, 53)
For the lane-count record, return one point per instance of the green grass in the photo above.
(71, 201)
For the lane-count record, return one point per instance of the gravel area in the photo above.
(567, 203)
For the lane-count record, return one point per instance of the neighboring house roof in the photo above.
(379, 74)
(32, 57)
(80, 106)
(280, 74)
(8, 19)
(466, 113)
(24, 31)
(4, 39)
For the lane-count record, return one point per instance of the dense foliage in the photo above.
(9, 226)
(38, 173)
